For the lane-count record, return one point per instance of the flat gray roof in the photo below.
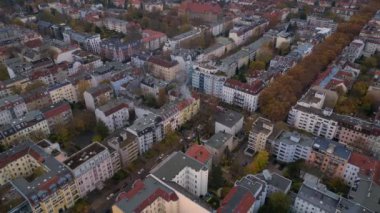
(228, 117)
(218, 140)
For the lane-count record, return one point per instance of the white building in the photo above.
(117, 25)
(244, 95)
(11, 107)
(114, 114)
(187, 172)
(91, 167)
(261, 129)
(97, 96)
(228, 121)
(208, 79)
(148, 129)
(309, 115)
(292, 146)
(153, 195)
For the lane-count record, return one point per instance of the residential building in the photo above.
(330, 157)
(91, 167)
(315, 199)
(114, 114)
(37, 98)
(97, 96)
(367, 194)
(228, 121)
(209, 12)
(152, 195)
(218, 144)
(153, 40)
(116, 50)
(153, 86)
(244, 95)
(126, 144)
(200, 153)
(309, 115)
(42, 183)
(11, 107)
(57, 114)
(245, 28)
(63, 92)
(208, 79)
(177, 41)
(148, 129)
(292, 146)
(360, 166)
(163, 69)
(87, 42)
(248, 195)
(117, 25)
(31, 124)
(84, 61)
(275, 182)
(261, 129)
(187, 172)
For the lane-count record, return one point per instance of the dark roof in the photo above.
(228, 117)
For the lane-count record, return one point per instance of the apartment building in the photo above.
(37, 180)
(200, 153)
(361, 166)
(244, 95)
(148, 129)
(31, 124)
(292, 146)
(97, 96)
(63, 92)
(218, 143)
(229, 121)
(57, 114)
(117, 25)
(153, 40)
(187, 172)
(37, 98)
(258, 136)
(153, 86)
(330, 157)
(248, 195)
(245, 28)
(208, 79)
(11, 107)
(153, 195)
(126, 144)
(86, 41)
(114, 114)
(309, 115)
(163, 69)
(91, 167)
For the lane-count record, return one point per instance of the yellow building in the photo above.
(163, 69)
(43, 183)
(65, 91)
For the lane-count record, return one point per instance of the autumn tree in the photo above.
(259, 163)
(34, 85)
(82, 86)
(257, 65)
(277, 202)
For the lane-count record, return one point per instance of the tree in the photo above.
(3, 72)
(102, 130)
(277, 202)
(337, 185)
(259, 163)
(216, 179)
(359, 89)
(265, 53)
(133, 34)
(81, 206)
(257, 65)
(35, 85)
(293, 170)
(83, 85)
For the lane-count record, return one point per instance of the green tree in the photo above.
(359, 89)
(337, 185)
(259, 163)
(3, 72)
(216, 179)
(278, 202)
(81, 206)
(257, 65)
(101, 129)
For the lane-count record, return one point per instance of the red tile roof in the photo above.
(199, 153)
(33, 43)
(243, 205)
(149, 35)
(55, 110)
(367, 165)
(162, 62)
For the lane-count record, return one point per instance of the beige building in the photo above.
(43, 184)
(126, 144)
(163, 69)
(61, 92)
(261, 129)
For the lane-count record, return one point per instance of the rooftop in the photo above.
(171, 166)
(143, 193)
(113, 106)
(280, 182)
(228, 117)
(84, 155)
(238, 199)
(293, 138)
(262, 125)
(251, 88)
(332, 147)
(145, 122)
(324, 200)
(54, 176)
(367, 194)
(218, 140)
(199, 153)
(162, 62)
